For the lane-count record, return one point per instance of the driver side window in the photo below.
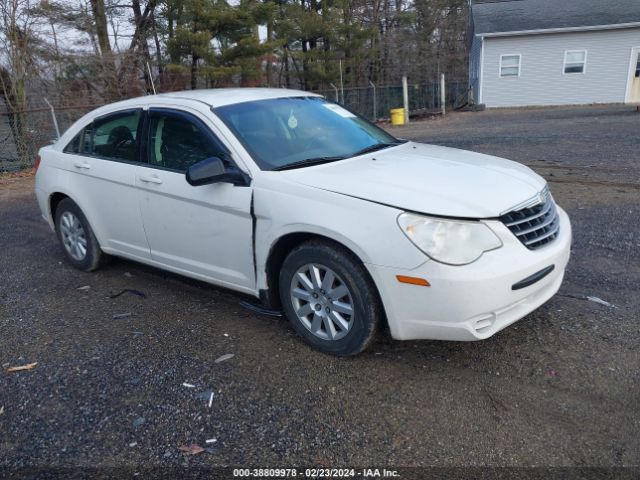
(176, 142)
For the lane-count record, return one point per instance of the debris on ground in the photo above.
(22, 368)
(601, 302)
(129, 290)
(188, 385)
(118, 316)
(211, 440)
(133, 444)
(552, 373)
(128, 275)
(1, 410)
(211, 400)
(589, 298)
(260, 310)
(207, 396)
(224, 358)
(84, 288)
(192, 449)
(138, 422)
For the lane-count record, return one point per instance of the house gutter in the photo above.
(615, 26)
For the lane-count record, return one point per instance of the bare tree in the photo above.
(16, 36)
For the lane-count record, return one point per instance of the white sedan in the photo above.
(286, 196)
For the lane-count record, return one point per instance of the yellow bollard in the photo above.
(397, 116)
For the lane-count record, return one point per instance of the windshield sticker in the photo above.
(293, 121)
(343, 112)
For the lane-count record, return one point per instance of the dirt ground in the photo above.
(559, 388)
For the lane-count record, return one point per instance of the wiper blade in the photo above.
(307, 162)
(375, 147)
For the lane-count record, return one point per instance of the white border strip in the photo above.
(614, 26)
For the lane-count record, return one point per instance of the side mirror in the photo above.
(212, 170)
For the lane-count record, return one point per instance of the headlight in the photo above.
(449, 241)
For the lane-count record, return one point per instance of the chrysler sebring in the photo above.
(296, 200)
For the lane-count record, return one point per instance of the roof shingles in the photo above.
(501, 16)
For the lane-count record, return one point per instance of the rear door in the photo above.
(204, 231)
(103, 158)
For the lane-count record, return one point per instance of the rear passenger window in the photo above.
(74, 145)
(113, 137)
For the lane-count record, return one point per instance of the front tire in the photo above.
(329, 298)
(76, 237)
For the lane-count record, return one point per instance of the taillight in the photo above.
(36, 164)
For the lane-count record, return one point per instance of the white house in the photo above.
(554, 52)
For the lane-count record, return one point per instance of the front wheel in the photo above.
(329, 298)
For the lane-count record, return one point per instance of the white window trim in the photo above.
(584, 65)
(519, 65)
(632, 68)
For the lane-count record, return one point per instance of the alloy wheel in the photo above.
(322, 301)
(74, 237)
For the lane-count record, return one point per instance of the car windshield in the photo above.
(295, 132)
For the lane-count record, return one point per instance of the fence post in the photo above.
(405, 96)
(55, 120)
(336, 89)
(443, 96)
(341, 84)
(375, 101)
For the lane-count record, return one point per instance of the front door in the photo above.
(634, 87)
(204, 231)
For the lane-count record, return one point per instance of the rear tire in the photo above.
(329, 298)
(76, 237)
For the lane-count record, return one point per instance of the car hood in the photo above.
(428, 179)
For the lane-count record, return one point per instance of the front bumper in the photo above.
(473, 302)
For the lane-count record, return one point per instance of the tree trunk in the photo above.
(157, 42)
(194, 71)
(14, 95)
(106, 54)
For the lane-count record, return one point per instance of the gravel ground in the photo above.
(559, 388)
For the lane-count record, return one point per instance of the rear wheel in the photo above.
(76, 237)
(329, 298)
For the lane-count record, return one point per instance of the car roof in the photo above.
(215, 97)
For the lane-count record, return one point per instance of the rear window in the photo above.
(113, 137)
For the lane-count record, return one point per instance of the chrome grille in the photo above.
(537, 225)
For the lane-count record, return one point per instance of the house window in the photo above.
(510, 65)
(575, 61)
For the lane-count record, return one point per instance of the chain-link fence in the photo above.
(22, 133)
(34, 127)
(374, 102)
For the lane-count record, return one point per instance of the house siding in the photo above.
(542, 80)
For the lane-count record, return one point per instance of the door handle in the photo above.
(84, 165)
(151, 179)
